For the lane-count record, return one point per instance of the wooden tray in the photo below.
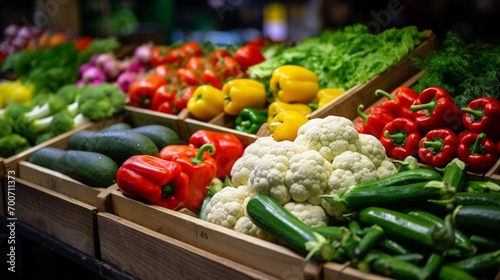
(272, 259)
(147, 254)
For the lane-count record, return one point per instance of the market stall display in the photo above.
(337, 163)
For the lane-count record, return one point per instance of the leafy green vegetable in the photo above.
(51, 68)
(467, 70)
(346, 57)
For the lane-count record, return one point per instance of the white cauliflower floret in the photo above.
(268, 177)
(227, 206)
(360, 165)
(240, 172)
(386, 168)
(246, 226)
(330, 136)
(339, 181)
(371, 147)
(307, 176)
(311, 215)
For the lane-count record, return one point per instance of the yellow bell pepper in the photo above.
(326, 95)
(277, 106)
(243, 93)
(284, 125)
(206, 103)
(294, 84)
(15, 91)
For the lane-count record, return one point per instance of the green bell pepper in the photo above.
(250, 120)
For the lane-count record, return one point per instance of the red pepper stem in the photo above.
(167, 190)
(477, 148)
(435, 145)
(429, 107)
(385, 93)
(361, 113)
(398, 137)
(476, 114)
(210, 148)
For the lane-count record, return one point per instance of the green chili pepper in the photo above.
(250, 120)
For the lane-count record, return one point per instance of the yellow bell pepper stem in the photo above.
(206, 103)
(285, 125)
(243, 93)
(326, 95)
(294, 84)
(277, 106)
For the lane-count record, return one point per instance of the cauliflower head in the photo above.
(246, 226)
(226, 207)
(386, 168)
(330, 136)
(361, 167)
(311, 215)
(307, 176)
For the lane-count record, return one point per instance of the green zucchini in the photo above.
(481, 263)
(454, 174)
(268, 214)
(477, 198)
(392, 247)
(462, 242)
(408, 230)
(387, 265)
(448, 272)
(477, 218)
(90, 168)
(403, 178)
(118, 145)
(161, 135)
(332, 232)
(121, 126)
(485, 243)
(481, 186)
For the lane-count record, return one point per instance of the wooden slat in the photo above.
(147, 254)
(272, 259)
(335, 271)
(69, 220)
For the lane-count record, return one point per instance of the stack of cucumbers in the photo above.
(93, 157)
(417, 224)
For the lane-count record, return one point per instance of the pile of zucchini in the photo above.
(93, 157)
(417, 224)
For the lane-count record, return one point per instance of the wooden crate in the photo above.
(69, 220)
(272, 259)
(335, 271)
(148, 254)
(494, 173)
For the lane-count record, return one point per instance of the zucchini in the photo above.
(477, 198)
(408, 230)
(478, 264)
(448, 272)
(90, 168)
(481, 186)
(332, 232)
(462, 242)
(485, 243)
(405, 177)
(161, 135)
(118, 145)
(121, 126)
(268, 214)
(477, 218)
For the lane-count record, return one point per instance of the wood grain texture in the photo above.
(273, 259)
(69, 220)
(147, 254)
(335, 271)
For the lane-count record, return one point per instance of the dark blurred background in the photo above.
(235, 21)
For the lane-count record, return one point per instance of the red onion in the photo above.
(93, 75)
(133, 65)
(84, 68)
(143, 53)
(103, 58)
(125, 79)
(11, 31)
(111, 68)
(24, 32)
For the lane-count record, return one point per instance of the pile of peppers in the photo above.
(431, 127)
(179, 176)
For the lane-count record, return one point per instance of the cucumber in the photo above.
(268, 214)
(403, 178)
(118, 145)
(161, 135)
(90, 168)
(477, 198)
(477, 218)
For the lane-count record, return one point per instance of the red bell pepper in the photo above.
(198, 164)
(400, 138)
(438, 147)
(373, 120)
(435, 108)
(228, 149)
(182, 97)
(399, 101)
(142, 90)
(158, 181)
(477, 151)
(483, 115)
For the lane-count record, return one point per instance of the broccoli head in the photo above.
(5, 126)
(13, 144)
(68, 93)
(98, 102)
